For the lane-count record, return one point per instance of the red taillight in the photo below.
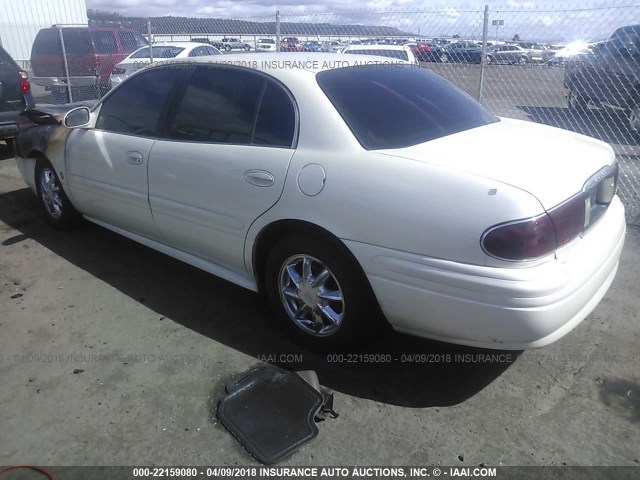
(524, 240)
(25, 87)
(569, 219)
(536, 237)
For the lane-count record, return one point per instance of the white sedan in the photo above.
(141, 58)
(352, 195)
(397, 52)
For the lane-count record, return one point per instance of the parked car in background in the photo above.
(214, 43)
(562, 56)
(426, 52)
(15, 96)
(256, 175)
(332, 46)
(312, 46)
(91, 55)
(462, 51)
(141, 58)
(397, 52)
(507, 55)
(290, 44)
(231, 43)
(608, 75)
(266, 45)
(535, 51)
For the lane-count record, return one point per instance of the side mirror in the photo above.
(77, 118)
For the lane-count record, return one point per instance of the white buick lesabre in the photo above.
(350, 192)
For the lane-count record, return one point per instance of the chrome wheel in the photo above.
(634, 119)
(311, 295)
(50, 192)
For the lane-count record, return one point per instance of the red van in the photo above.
(91, 55)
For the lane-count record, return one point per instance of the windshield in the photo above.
(158, 52)
(396, 106)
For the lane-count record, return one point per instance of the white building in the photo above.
(22, 19)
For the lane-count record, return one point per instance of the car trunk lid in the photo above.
(550, 163)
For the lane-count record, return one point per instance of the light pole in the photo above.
(497, 24)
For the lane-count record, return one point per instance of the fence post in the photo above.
(277, 30)
(66, 65)
(483, 53)
(150, 42)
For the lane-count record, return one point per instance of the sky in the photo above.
(543, 20)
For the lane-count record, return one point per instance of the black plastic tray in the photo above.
(271, 412)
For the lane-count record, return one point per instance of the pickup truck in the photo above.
(608, 76)
(234, 44)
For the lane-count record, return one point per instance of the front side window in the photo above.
(213, 51)
(158, 52)
(198, 52)
(395, 107)
(131, 41)
(136, 106)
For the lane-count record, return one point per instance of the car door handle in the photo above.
(134, 157)
(259, 178)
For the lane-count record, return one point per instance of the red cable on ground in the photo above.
(41, 470)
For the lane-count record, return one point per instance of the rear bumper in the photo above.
(499, 308)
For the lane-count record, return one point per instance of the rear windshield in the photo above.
(158, 52)
(5, 59)
(399, 54)
(396, 106)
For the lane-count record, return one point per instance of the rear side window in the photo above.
(218, 105)
(136, 106)
(396, 107)
(229, 105)
(47, 42)
(276, 119)
(131, 41)
(104, 42)
(77, 42)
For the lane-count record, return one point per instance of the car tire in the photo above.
(444, 58)
(577, 104)
(319, 293)
(227, 48)
(247, 48)
(59, 211)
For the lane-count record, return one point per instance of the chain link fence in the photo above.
(576, 68)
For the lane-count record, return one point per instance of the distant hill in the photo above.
(224, 26)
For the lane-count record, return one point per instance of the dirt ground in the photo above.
(114, 354)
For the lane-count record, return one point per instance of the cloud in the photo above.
(532, 20)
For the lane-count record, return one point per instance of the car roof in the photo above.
(297, 61)
(178, 44)
(378, 47)
(93, 29)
